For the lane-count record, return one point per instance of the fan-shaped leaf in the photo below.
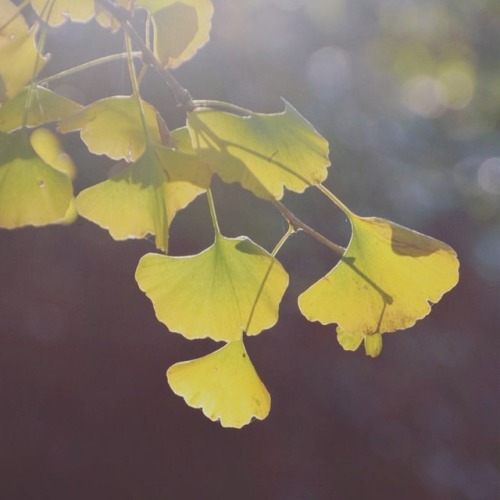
(113, 127)
(181, 27)
(144, 198)
(33, 190)
(231, 288)
(19, 58)
(224, 384)
(45, 106)
(264, 153)
(57, 12)
(386, 281)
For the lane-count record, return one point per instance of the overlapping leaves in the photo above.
(20, 60)
(35, 180)
(144, 197)
(180, 28)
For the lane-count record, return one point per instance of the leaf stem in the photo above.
(334, 199)
(283, 240)
(122, 15)
(87, 65)
(297, 224)
(222, 106)
(135, 87)
(213, 215)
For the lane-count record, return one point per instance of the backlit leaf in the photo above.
(224, 384)
(57, 12)
(33, 190)
(19, 58)
(386, 281)
(232, 287)
(181, 27)
(113, 127)
(143, 198)
(45, 106)
(264, 153)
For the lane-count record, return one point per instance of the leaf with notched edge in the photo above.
(387, 280)
(224, 384)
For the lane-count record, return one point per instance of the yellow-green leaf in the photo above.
(33, 191)
(44, 106)
(144, 197)
(48, 147)
(19, 57)
(113, 127)
(231, 288)
(386, 281)
(57, 12)
(224, 384)
(181, 27)
(264, 153)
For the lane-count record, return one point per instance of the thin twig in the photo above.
(123, 16)
(297, 224)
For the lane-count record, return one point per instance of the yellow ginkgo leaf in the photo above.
(113, 127)
(44, 106)
(224, 384)
(33, 190)
(48, 147)
(387, 280)
(181, 27)
(20, 61)
(264, 153)
(143, 198)
(231, 288)
(57, 12)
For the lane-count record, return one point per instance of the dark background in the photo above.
(408, 94)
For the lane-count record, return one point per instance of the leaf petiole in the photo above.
(213, 215)
(87, 65)
(334, 199)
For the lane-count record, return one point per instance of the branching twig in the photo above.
(297, 224)
(122, 15)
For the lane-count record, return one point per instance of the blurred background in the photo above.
(408, 94)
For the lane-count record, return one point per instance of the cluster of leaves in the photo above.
(385, 279)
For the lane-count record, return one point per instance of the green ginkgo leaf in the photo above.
(44, 106)
(57, 12)
(143, 198)
(113, 127)
(20, 60)
(224, 384)
(232, 287)
(181, 27)
(34, 191)
(387, 280)
(264, 153)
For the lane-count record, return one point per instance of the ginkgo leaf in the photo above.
(57, 12)
(143, 198)
(106, 19)
(33, 191)
(264, 153)
(113, 127)
(48, 147)
(181, 27)
(387, 280)
(44, 106)
(20, 61)
(232, 287)
(224, 384)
